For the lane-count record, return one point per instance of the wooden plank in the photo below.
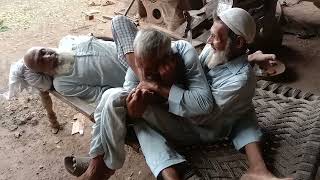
(130, 5)
(78, 104)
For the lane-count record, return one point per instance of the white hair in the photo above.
(151, 43)
(65, 61)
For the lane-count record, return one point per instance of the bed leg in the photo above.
(47, 104)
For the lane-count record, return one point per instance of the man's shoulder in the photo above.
(181, 45)
(186, 52)
(181, 42)
(243, 73)
(239, 66)
(237, 73)
(243, 77)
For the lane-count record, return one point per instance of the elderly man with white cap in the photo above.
(232, 84)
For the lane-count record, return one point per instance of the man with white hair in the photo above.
(81, 66)
(165, 93)
(184, 91)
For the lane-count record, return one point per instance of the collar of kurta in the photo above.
(235, 64)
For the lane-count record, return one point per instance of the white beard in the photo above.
(66, 61)
(219, 57)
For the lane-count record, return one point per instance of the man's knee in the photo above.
(118, 20)
(116, 97)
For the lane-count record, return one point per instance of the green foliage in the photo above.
(3, 28)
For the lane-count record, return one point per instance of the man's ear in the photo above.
(240, 42)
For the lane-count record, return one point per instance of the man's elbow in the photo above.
(206, 109)
(205, 104)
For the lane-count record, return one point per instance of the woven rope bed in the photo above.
(289, 119)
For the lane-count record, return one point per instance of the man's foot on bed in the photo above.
(261, 175)
(97, 170)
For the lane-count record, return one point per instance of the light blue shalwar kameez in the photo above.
(195, 112)
(193, 98)
(185, 120)
(96, 69)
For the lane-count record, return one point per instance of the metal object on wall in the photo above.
(154, 11)
(168, 12)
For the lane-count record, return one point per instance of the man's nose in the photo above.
(209, 40)
(46, 56)
(152, 77)
(148, 77)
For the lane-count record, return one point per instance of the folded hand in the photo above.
(137, 102)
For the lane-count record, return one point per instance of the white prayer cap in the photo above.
(240, 22)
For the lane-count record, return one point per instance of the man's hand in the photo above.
(148, 85)
(158, 88)
(258, 56)
(132, 63)
(264, 61)
(136, 102)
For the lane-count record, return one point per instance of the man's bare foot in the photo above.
(97, 170)
(170, 173)
(261, 175)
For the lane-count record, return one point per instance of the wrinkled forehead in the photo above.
(31, 58)
(34, 52)
(219, 28)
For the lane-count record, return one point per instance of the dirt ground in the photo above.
(28, 150)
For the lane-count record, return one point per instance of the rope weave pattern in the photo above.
(289, 119)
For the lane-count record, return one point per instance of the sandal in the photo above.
(76, 165)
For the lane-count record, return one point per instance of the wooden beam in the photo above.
(78, 104)
(127, 10)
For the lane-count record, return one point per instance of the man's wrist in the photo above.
(163, 90)
(250, 58)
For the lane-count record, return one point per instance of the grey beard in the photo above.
(65, 62)
(219, 57)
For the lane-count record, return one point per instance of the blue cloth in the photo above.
(123, 32)
(96, 69)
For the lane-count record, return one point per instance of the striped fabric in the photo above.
(124, 31)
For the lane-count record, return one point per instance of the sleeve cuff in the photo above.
(246, 136)
(175, 97)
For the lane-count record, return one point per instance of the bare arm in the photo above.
(131, 61)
